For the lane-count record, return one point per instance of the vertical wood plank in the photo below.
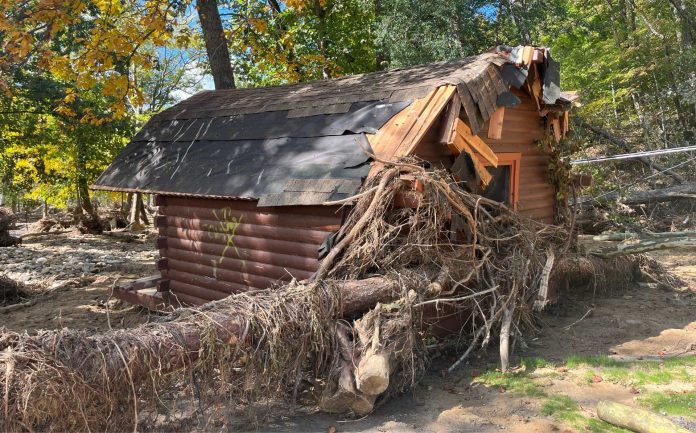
(495, 124)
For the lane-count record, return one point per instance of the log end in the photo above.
(372, 374)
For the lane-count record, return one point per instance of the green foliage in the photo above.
(300, 41)
(44, 151)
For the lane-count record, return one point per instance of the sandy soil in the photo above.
(645, 321)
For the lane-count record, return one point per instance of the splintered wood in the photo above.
(401, 134)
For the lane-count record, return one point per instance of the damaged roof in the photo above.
(302, 143)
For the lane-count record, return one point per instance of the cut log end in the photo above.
(372, 374)
(634, 419)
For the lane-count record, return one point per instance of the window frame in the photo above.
(512, 159)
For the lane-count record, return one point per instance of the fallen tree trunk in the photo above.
(645, 245)
(627, 148)
(64, 371)
(635, 419)
(687, 190)
(618, 236)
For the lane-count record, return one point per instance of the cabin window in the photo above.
(504, 186)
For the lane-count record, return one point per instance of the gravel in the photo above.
(50, 260)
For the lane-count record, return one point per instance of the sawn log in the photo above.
(634, 419)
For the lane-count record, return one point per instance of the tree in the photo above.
(215, 44)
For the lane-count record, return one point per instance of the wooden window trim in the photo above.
(512, 159)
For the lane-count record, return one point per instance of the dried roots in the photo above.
(398, 276)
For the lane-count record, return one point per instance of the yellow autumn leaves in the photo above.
(88, 44)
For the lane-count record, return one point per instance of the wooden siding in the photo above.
(522, 128)
(211, 248)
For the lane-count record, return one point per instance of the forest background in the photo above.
(79, 77)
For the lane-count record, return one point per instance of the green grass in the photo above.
(534, 363)
(671, 403)
(516, 383)
(565, 409)
(559, 406)
(639, 374)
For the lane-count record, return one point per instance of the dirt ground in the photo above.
(645, 322)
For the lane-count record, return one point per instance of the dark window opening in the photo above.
(499, 188)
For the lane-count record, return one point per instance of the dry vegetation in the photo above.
(345, 341)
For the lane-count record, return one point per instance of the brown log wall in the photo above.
(522, 128)
(211, 248)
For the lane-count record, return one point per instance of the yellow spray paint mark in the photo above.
(225, 229)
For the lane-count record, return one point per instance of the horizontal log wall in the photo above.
(211, 248)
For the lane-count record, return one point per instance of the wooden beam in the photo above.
(534, 82)
(450, 122)
(527, 55)
(426, 120)
(389, 137)
(461, 143)
(476, 143)
(538, 56)
(556, 123)
(495, 124)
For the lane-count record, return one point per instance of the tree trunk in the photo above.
(356, 296)
(643, 246)
(137, 210)
(215, 44)
(84, 201)
(618, 236)
(627, 147)
(635, 419)
(688, 23)
(687, 190)
(141, 212)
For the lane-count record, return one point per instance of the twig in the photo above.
(579, 320)
(349, 199)
(19, 306)
(460, 298)
(468, 350)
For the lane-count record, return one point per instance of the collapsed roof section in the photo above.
(308, 143)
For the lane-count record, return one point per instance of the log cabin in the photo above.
(242, 177)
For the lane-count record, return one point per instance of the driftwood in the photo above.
(645, 245)
(635, 419)
(619, 236)
(17, 306)
(687, 190)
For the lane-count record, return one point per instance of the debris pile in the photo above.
(344, 341)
